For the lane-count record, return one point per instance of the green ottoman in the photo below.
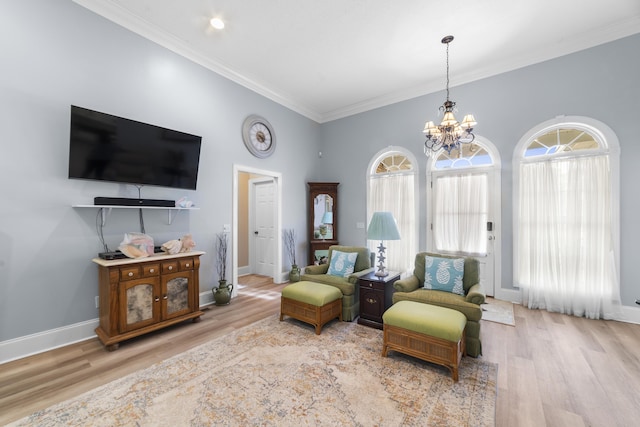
(311, 302)
(428, 332)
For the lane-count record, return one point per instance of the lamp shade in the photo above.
(449, 119)
(469, 121)
(383, 227)
(327, 218)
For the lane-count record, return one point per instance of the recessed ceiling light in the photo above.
(217, 23)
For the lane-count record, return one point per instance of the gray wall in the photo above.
(600, 83)
(56, 53)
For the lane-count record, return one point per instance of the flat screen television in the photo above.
(104, 147)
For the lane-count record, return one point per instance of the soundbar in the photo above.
(123, 201)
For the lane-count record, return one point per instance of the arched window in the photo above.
(566, 217)
(392, 184)
(463, 206)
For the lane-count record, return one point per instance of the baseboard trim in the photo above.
(206, 298)
(29, 345)
(630, 314)
(512, 295)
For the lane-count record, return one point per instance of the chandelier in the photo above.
(449, 134)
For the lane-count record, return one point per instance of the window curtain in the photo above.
(395, 193)
(460, 214)
(565, 260)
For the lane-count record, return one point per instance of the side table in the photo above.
(375, 297)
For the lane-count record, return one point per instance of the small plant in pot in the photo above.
(222, 294)
(289, 238)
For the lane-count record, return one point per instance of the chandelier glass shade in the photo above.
(449, 134)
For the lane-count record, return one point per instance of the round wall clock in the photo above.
(258, 136)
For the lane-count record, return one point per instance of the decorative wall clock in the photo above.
(258, 136)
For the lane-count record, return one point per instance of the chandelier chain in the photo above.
(447, 71)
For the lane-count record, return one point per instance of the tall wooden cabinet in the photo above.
(322, 220)
(138, 296)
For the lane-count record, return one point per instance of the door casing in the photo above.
(277, 179)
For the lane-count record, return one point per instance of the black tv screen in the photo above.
(104, 147)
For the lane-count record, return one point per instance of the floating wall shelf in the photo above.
(106, 210)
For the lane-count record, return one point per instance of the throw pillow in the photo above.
(342, 263)
(444, 274)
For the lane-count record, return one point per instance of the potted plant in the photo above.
(222, 294)
(289, 238)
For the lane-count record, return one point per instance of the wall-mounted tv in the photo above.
(104, 147)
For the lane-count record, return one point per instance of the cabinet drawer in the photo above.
(186, 264)
(372, 285)
(130, 273)
(150, 270)
(170, 267)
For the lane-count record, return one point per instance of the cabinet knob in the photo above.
(152, 270)
(156, 299)
(170, 267)
(187, 265)
(130, 274)
(165, 297)
(371, 301)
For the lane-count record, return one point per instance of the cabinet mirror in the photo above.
(323, 217)
(322, 220)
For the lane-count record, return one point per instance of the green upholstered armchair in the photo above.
(412, 289)
(347, 285)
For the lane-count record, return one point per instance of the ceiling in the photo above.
(328, 59)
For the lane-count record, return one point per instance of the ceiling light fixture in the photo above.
(217, 23)
(449, 134)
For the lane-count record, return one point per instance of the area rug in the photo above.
(498, 311)
(274, 373)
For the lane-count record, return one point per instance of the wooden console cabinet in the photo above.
(138, 296)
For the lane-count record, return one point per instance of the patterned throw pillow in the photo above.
(342, 263)
(444, 274)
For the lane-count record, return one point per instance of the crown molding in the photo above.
(116, 13)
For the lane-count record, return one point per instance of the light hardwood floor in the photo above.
(554, 370)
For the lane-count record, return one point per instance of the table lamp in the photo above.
(382, 227)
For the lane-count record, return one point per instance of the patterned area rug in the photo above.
(498, 311)
(274, 373)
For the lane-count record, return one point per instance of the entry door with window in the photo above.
(463, 206)
(262, 247)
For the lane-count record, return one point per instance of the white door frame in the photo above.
(277, 179)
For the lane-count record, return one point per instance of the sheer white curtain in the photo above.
(460, 213)
(395, 193)
(565, 259)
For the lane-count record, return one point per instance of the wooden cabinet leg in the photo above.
(113, 347)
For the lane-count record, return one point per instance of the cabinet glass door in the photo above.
(175, 300)
(140, 304)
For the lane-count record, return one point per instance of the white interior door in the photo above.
(262, 221)
(463, 220)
